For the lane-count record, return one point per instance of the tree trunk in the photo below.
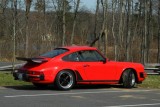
(74, 21)
(14, 32)
(145, 34)
(158, 56)
(128, 36)
(102, 37)
(114, 2)
(28, 5)
(104, 25)
(96, 38)
(149, 29)
(64, 23)
(120, 29)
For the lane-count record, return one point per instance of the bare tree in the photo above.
(41, 27)
(114, 3)
(146, 32)
(120, 29)
(14, 31)
(3, 19)
(3, 6)
(28, 6)
(128, 35)
(101, 35)
(104, 29)
(158, 56)
(74, 21)
(64, 23)
(149, 28)
(96, 38)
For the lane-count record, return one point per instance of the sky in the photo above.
(90, 4)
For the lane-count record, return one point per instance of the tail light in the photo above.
(35, 72)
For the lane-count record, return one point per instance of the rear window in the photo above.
(54, 52)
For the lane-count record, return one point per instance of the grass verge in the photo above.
(6, 79)
(152, 81)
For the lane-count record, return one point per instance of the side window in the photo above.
(91, 56)
(99, 56)
(71, 57)
(84, 56)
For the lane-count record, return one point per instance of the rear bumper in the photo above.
(27, 77)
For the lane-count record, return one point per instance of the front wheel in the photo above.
(128, 78)
(65, 80)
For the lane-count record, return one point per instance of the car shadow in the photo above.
(77, 87)
(96, 86)
(28, 87)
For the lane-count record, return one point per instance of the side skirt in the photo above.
(98, 82)
(81, 81)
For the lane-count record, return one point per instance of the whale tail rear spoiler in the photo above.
(36, 60)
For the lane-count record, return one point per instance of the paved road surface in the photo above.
(29, 96)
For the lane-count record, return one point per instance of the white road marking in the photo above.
(78, 97)
(75, 93)
(136, 105)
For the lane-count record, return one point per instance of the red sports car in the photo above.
(66, 66)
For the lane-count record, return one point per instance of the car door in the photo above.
(95, 66)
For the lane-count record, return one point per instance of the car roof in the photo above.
(77, 48)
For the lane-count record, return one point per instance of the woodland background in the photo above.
(123, 30)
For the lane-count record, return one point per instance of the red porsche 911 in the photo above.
(66, 66)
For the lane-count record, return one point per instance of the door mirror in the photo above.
(104, 60)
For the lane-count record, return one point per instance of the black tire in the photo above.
(65, 80)
(38, 85)
(128, 79)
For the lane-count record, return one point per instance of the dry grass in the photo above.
(152, 81)
(6, 79)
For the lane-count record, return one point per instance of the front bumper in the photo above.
(142, 76)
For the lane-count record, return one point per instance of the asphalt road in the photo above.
(92, 96)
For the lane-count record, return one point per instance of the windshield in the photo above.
(54, 52)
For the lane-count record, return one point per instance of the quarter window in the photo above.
(72, 57)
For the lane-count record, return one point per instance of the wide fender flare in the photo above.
(59, 69)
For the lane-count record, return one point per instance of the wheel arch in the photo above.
(68, 82)
(132, 69)
(70, 70)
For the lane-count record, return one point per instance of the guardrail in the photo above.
(152, 68)
(9, 67)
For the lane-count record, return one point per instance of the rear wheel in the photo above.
(65, 80)
(128, 78)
